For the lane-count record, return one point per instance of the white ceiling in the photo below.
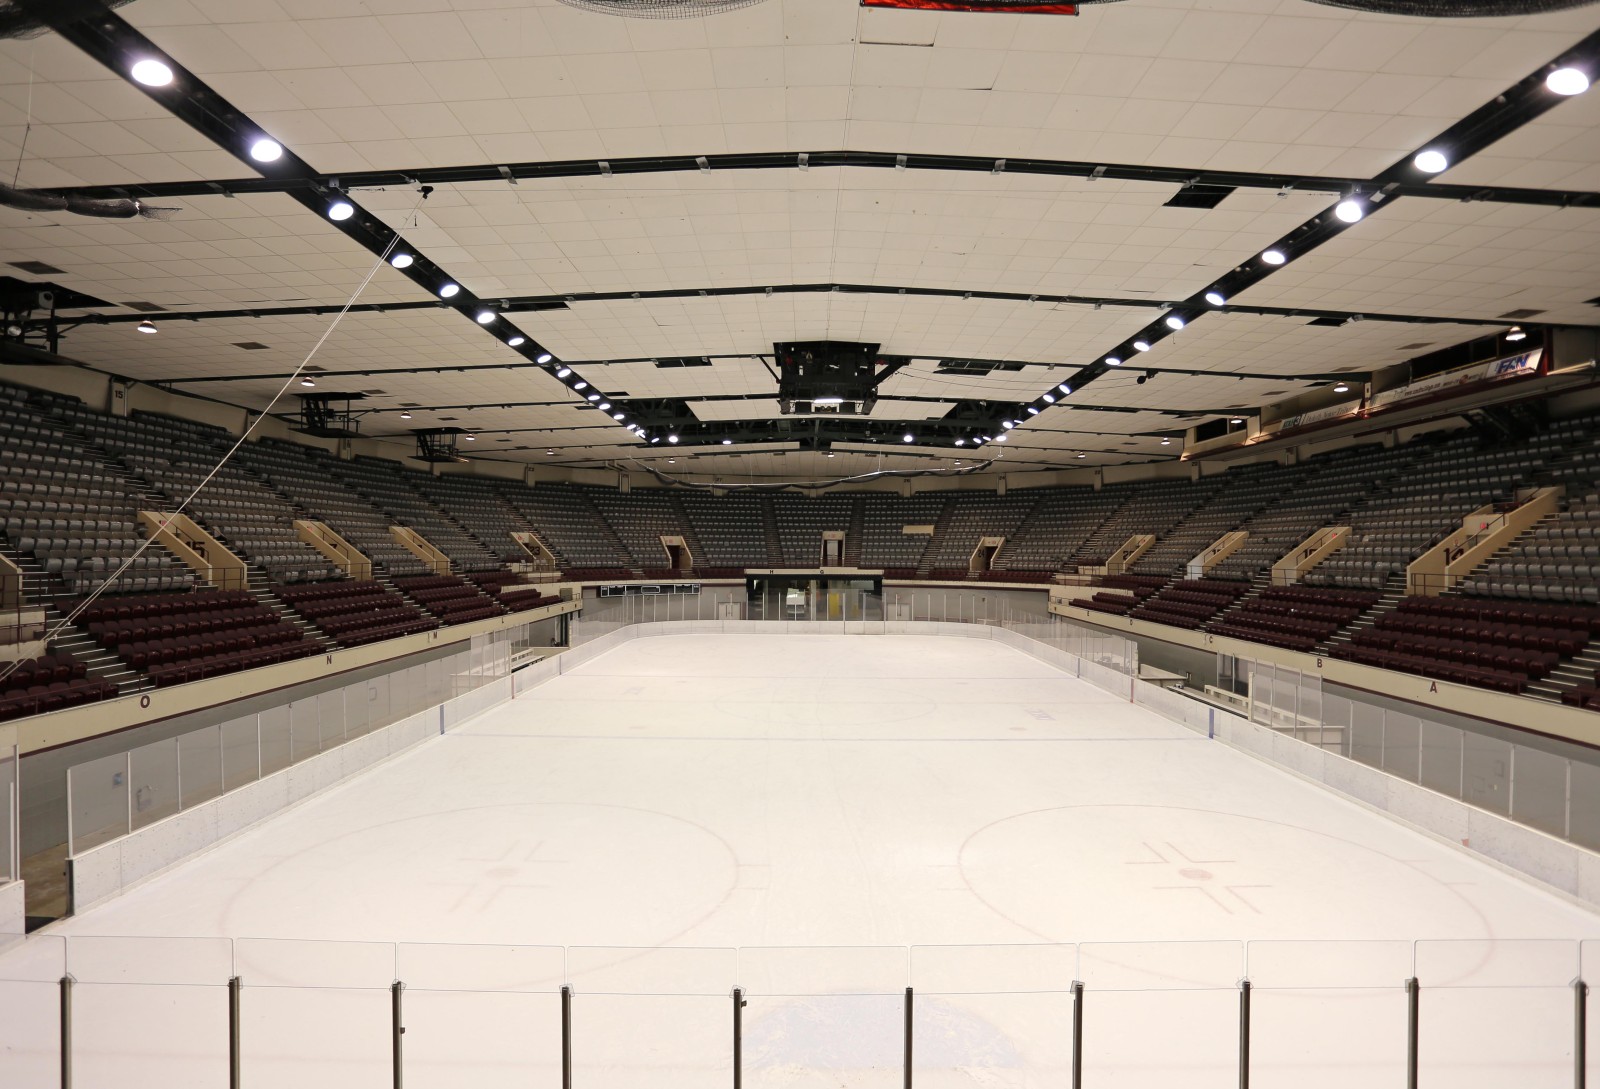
(1257, 85)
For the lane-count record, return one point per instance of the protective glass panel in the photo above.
(823, 1018)
(1486, 767)
(380, 710)
(1157, 1008)
(199, 766)
(1585, 808)
(330, 719)
(1335, 723)
(356, 709)
(97, 796)
(992, 1015)
(155, 781)
(1402, 738)
(1441, 758)
(316, 1015)
(1262, 692)
(652, 1016)
(1496, 1013)
(277, 743)
(150, 1012)
(30, 975)
(488, 1016)
(305, 736)
(9, 862)
(1539, 790)
(1366, 734)
(241, 752)
(1327, 1015)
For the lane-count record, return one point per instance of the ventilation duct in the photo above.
(1454, 9)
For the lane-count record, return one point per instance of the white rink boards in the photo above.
(822, 821)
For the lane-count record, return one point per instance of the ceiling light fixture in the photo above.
(1064, 388)
(1166, 442)
(147, 327)
(727, 442)
(485, 317)
(961, 442)
(605, 406)
(449, 291)
(1515, 333)
(908, 437)
(563, 372)
(1349, 210)
(1341, 388)
(1237, 420)
(1083, 455)
(619, 417)
(829, 454)
(266, 150)
(1000, 438)
(1431, 161)
(1007, 424)
(1216, 298)
(1274, 257)
(1032, 411)
(545, 357)
(1049, 398)
(308, 382)
(1567, 81)
(517, 342)
(471, 438)
(1141, 346)
(1174, 321)
(402, 260)
(592, 397)
(580, 385)
(672, 438)
(405, 415)
(153, 73)
(341, 210)
(1113, 361)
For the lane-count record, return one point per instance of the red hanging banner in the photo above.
(1028, 7)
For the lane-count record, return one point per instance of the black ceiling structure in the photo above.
(111, 40)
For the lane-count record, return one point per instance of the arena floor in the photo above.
(841, 793)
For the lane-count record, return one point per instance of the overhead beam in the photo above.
(503, 173)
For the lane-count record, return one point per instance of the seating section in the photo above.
(69, 510)
(499, 585)
(390, 491)
(801, 521)
(1060, 523)
(1484, 643)
(1124, 593)
(641, 519)
(730, 530)
(971, 516)
(1190, 603)
(1421, 507)
(1145, 508)
(450, 598)
(47, 683)
(569, 525)
(348, 513)
(884, 541)
(1241, 493)
(1294, 617)
(175, 638)
(480, 509)
(353, 613)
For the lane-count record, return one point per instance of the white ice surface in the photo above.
(711, 791)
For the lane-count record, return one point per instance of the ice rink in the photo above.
(788, 814)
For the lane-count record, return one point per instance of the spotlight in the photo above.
(1237, 420)
(592, 397)
(604, 406)
(1516, 333)
(563, 372)
(961, 442)
(266, 150)
(402, 260)
(1064, 388)
(1166, 442)
(1216, 298)
(449, 291)
(580, 385)
(1000, 438)
(147, 327)
(1141, 346)
(1007, 424)
(908, 437)
(545, 357)
(1113, 361)
(1567, 81)
(1142, 379)
(619, 417)
(405, 415)
(1430, 161)
(655, 438)
(153, 73)
(1349, 210)
(1049, 398)
(471, 438)
(1032, 411)
(341, 210)
(727, 442)
(1174, 321)
(308, 382)
(485, 317)
(517, 342)
(1274, 257)
(1341, 388)
(672, 438)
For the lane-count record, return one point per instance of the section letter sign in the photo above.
(1030, 7)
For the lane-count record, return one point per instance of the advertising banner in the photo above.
(1509, 367)
(1028, 7)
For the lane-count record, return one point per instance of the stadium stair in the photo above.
(856, 531)
(261, 588)
(1392, 593)
(936, 540)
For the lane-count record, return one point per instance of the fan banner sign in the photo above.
(1510, 367)
(1027, 7)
